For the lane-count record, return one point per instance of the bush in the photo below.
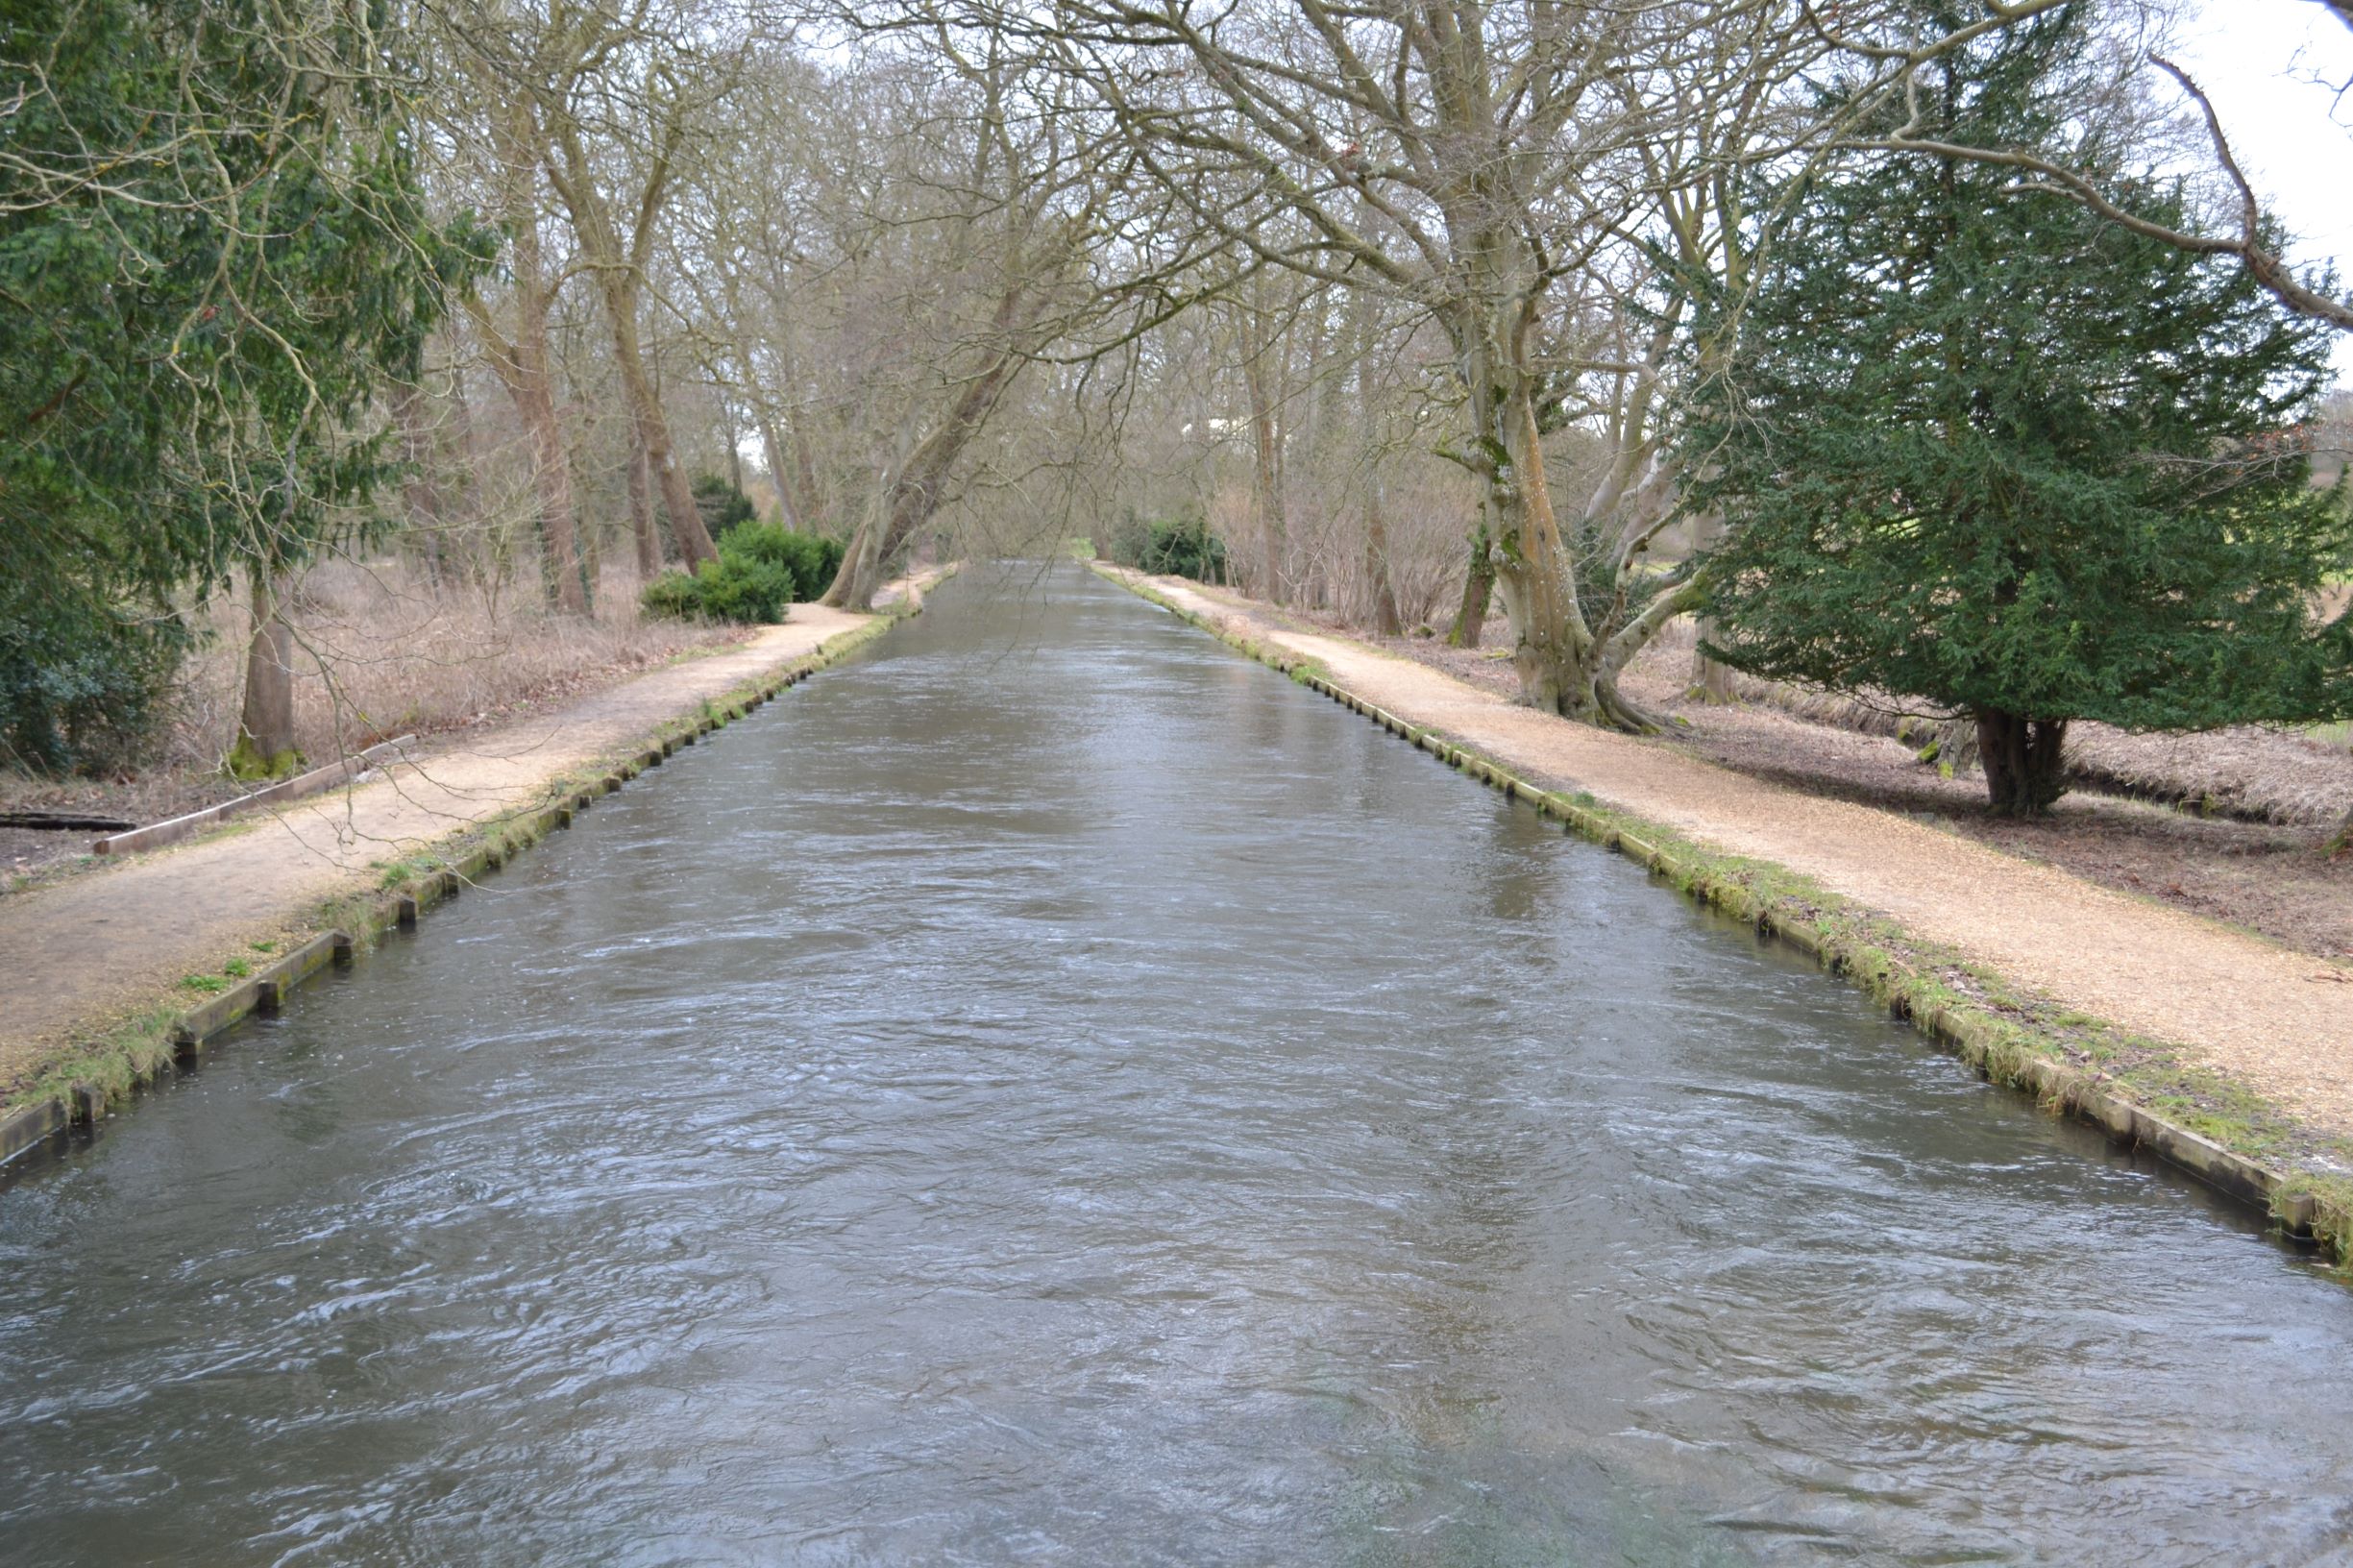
(1180, 547)
(723, 507)
(81, 682)
(1183, 546)
(674, 596)
(811, 558)
(761, 570)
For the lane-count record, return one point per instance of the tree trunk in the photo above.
(911, 496)
(421, 486)
(1478, 593)
(810, 503)
(559, 539)
(860, 575)
(1552, 648)
(1266, 473)
(524, 369)
(620, 266)
(265, 724)
(523, 365)
(1711, 679)
(772, 449)
(2024, 762)
(1361, 344)
(1386, 620)
(686, 528)
(641, 509)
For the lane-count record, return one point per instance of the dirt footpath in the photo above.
(2279, 1021)
(77, 955)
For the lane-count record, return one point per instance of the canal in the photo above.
(1054, 1090)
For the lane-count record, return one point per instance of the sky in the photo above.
(2293, 138)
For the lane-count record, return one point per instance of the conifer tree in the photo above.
(1983, 452)
(214, 249)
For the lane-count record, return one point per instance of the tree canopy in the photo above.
(213, 249)
(1983, 450)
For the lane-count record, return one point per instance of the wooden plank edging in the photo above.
(155, 835)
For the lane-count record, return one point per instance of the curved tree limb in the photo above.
(2263, 264)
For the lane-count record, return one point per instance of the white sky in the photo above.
(2252, 58)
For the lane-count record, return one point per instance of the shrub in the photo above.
(81, 681)
(761, 570)
(724, 506)
(674, 595)
(1183, 546)
(811, 558)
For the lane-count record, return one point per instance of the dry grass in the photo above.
(379, 652)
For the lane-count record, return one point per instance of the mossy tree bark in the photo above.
(265, 722)
(1470, 622)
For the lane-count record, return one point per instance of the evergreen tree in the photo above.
(212, 249)
(1981, 450)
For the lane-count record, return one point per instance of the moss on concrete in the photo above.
(2146, 1092)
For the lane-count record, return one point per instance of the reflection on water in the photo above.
(1055, 1091)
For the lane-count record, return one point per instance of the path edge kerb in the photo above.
(1986, 1039)
(157, 1043)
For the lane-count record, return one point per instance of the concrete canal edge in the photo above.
(101, 1074)
(1976, 1014)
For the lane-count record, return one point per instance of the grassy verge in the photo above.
(2143, 1091)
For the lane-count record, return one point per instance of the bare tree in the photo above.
(1544, 183)
(520, 359)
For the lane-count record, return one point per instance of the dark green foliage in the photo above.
(761, 570)
(734, 588)
(812, 558)
(1183, 546)
(722, 504)
(1178, 547)
(80, 681)
(674, 596)
(1981, 450)
(212, 248)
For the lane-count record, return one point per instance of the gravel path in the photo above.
(77, 954)
(2277, 1021)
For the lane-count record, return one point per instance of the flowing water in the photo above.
(1054, 1090)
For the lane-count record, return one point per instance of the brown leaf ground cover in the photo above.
(2268, 877)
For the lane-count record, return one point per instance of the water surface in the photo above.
(1053, 1091)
